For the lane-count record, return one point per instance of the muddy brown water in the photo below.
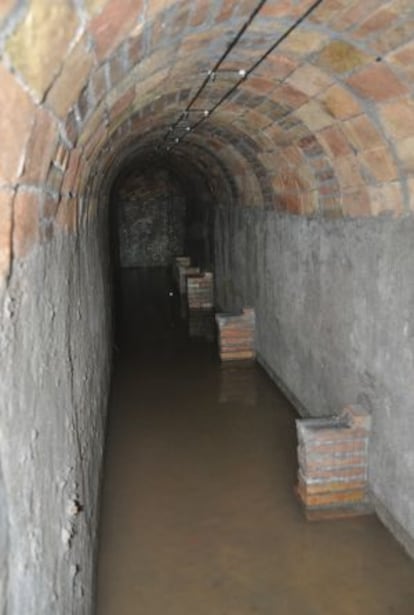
(198, 511)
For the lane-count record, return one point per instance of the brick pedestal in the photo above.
(200, 291)
(333, 464)
(236, 335)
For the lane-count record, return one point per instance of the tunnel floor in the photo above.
(198, 511)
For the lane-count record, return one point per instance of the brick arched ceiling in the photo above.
(324, 126)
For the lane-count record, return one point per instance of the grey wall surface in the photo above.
(151, 217)
(334, 305)
(54, 382)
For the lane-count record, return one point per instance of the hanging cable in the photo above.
(248, 72)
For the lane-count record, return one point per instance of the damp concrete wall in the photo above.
(54, 382)
(334, 303)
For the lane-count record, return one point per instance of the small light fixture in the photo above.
(242, 73)
(206, 112)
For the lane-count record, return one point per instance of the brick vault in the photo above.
(310, 164)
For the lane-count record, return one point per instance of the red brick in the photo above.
(259, 85)
(341, 57)
(25, 223)
(379, 163)
(377, 82)
(99, 83)
(6, 7)
(109, 27)
(6, 225)
(356, 203)
(67, 215)
(334, 141)
(362, 133)
(122, 104)
(16, 118)
(41, 40)
(333, 499)
(41, 147)
(279, 66)
(72, 78)
(357, 12)
(340, 103)
(398, 118)
(286, 94)
(405, 150)
(394, 37)
(386, 198)
(69, 180)
(410, 186)
(200, 14)
(376, 23)
(309, 80)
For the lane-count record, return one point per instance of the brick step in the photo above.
(315, 487)
(231, 356)
(358, 473)
(341, 446)
(332, 498)
(331, 462)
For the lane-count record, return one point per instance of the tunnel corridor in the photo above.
(272, 142)
(198, 509)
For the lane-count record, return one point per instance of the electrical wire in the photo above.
(248, 72)
(219, 62)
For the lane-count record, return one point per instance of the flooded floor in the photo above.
(198, 511)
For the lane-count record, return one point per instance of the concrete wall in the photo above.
(151, 216)
(55, 363)
(334, 303)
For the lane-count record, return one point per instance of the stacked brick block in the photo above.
(236, 335)
(200, 291)
(197, 298)
(333, 464)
